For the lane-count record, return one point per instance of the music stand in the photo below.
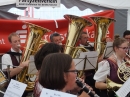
(86, 60)
(109, 50)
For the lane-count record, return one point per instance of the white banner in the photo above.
(38, 3)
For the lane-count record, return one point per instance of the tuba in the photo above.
(32, 46)
(101, 28)
(76, 25)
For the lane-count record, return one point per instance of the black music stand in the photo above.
(109, 50)
(86, 60)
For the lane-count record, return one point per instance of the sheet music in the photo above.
(54, 93)
(15, 89)
(109, 49)
(124, 90)
(91, 60)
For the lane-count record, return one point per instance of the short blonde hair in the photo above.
(10, 36)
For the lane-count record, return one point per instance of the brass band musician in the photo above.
(39, 56)
(12, 57)
(126, 35)
(108, 67)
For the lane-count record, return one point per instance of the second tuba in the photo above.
(32, 46)
(76, 25)
(101, 27)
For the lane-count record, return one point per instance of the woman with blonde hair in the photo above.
(109, 66)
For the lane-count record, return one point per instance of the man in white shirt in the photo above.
(12, 58)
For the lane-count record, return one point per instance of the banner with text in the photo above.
(38, 3)
(60, 26)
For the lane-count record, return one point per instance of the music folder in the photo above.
(108, 50)
(124, 90)
(87, 59)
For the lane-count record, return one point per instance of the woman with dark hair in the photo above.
(58, 73)
(109, 67)
(40, 55)
(45, 50)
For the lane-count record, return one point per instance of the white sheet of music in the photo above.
(91, 60)
(54, 93)
(124, 90)
(15, 89)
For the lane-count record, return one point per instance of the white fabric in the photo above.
(115, 4)
(7, 2)
(6, 59)
(104, 70)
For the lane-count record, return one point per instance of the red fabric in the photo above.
(9, 26)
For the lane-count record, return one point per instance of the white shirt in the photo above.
(6, 59)
(90, 45)
(103, 70)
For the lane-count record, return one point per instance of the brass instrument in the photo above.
(32, 45)
(102, 25)
(76, 25)
(124, 71)
(112, 85)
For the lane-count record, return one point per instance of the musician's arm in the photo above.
(101, 85)
(15, 71)
(6, 60)
(101, 74)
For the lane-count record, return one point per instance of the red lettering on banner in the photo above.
(9, 26)
(2, 41)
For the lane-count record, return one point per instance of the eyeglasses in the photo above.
(127, 38)
(124, 48)
(75, 71)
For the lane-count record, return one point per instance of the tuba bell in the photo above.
(31, 47)
(76, 25)
(101, 28)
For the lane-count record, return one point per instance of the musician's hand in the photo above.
(83, 77)
(24, 64)
(108, 39)
(90, 88)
